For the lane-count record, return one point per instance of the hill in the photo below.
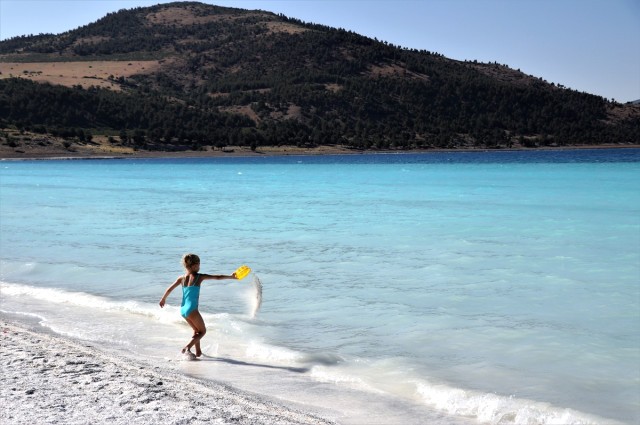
(189, 75)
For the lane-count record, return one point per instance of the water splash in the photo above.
(256, 296)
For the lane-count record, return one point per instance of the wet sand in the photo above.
(50, 379)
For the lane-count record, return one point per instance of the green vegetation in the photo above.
(285, 82)
(152, 121)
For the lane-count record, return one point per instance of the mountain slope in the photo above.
(188, 74)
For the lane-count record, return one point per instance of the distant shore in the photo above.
(50, 379)
(241, 151)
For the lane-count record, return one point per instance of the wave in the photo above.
(485, 408)
(496, 409)
(83, 299)
(377, 377)
(37, 317)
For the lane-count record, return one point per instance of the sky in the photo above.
(586, 45)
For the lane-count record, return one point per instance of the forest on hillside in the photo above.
(312, 86)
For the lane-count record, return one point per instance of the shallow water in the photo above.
(497, 286)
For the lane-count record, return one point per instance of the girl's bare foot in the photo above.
(188, 354)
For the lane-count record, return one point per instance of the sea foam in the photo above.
(82, 299)
(496, 409)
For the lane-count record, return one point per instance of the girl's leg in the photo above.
(195, 331)
(197, 323)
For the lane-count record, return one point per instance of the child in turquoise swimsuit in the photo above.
(190, 295)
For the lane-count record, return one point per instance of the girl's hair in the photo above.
(190, 260)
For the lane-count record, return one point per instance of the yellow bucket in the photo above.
(242, 272)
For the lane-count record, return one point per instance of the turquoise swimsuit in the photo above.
(190, 296)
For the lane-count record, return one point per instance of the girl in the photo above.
(190, 295)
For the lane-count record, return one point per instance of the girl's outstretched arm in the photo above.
(169, 289)
(217, 276)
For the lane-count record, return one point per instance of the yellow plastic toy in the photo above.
(242, 272)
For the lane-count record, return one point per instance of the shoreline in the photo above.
(244, 152)
(48, 378)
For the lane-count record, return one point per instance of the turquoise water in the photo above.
(496, 287)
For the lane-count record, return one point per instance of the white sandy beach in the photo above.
(48, 379)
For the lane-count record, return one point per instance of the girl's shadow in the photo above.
(206, 358)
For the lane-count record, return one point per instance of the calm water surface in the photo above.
(493, 287)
